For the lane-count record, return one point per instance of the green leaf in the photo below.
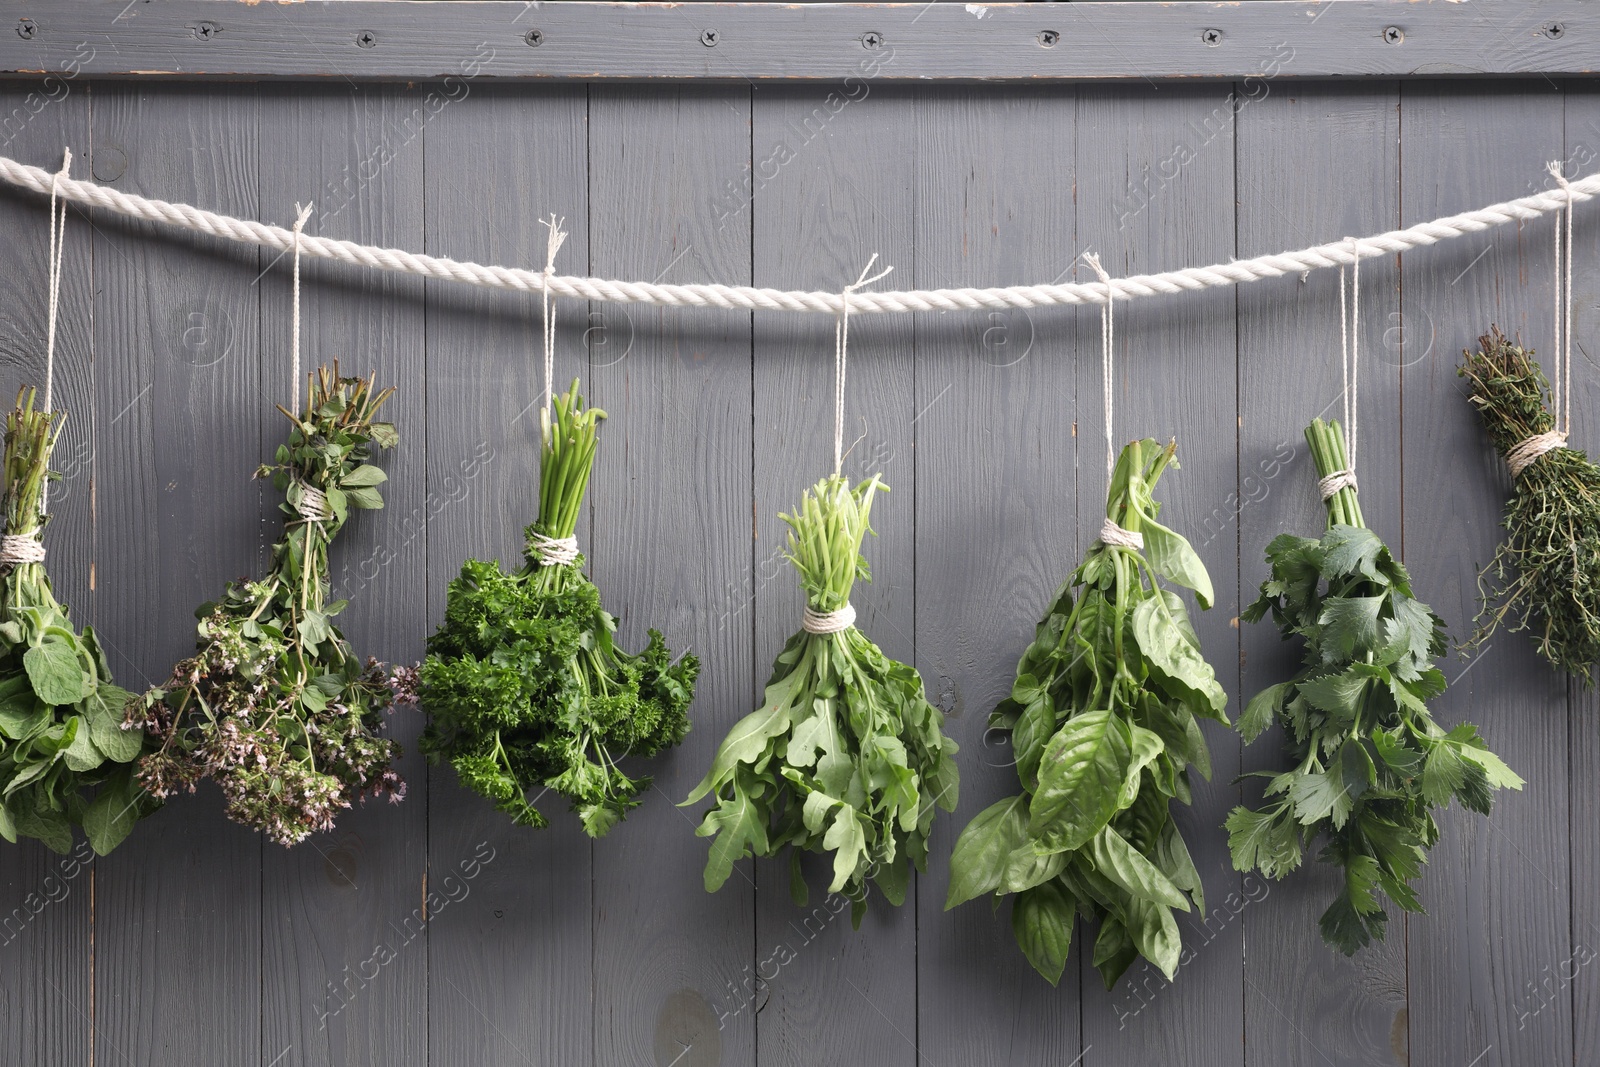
(979, 860)
(1080, 780)
(1170, 651)
(50, 827)
(104, 711)
(736, 822)
(1175, 559)
(1155, 934)
(1348, 930)
(1351, 550)
(81, 755)
(1026, 867)
(1265, 841)
(1337, 694)
(113, 812)
(1262, 711)
(849, 844)
(1443, 774)
(1041, 920)
(56, 673)
(364, 475)
(1125, 867)
(747, 741)
(1114, 951)
(1317, 796)
(367, 499)
(1350, 626)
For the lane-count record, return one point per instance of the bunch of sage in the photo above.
(845, 755)
(524, 685)
(275, 706)
(1368, 763)
(1104, 722)
(61, 730)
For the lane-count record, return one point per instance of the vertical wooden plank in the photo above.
(178, 412)
(509, 947)
(998, 525)
(1582, 112)
(1301, 150)
(46, 952)
(671, 500)
(837, 180)
(344, 972)
(1156, 192)
(1497, 889)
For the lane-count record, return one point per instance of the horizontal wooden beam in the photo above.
(414, 39)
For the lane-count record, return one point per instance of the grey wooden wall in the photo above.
(198, 943)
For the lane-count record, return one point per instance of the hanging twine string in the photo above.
(841, 347)
(303, 213)
(828, 622)
(20, 548)
(553, 551)
(1110, 533)
(1350, 366)
(552, 246)
(1521, 455)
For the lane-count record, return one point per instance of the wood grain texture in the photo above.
(1497, 889)
(1156, 188)
(836, 183)
(1306, 1003)
(998, 524)
(344, 979)
(588, 41)
(672, 544)
(178, 423)
(510, 962)
(46, 900)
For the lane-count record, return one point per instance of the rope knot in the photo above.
(1114, 536)
(20, 548)
(1345, 479)
(828, 622)
(555, 551)
(313, 504)
(1524, 452)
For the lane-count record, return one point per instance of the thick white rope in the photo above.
(1334, 254)
(841, 350)
(552, 246)
(301, 214)
(20, 548)
(555, 551)
(1107, 361)
(828, 622)
(1350, 368)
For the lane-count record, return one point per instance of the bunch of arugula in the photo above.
(1369, 762)
(61, 732)
(274, 705)
(1545, 576)
(845, 755)
(1104, 722)
(524, 685)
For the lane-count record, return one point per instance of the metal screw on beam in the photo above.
(1553, 30)
(205, 31)
(1212, 37)
(872, 39)
(1049, 38)
(535, 38)
(709, 38)
(26, 29)
(366, 39)
(1393, 34)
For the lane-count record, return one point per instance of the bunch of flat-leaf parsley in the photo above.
(1368, 762)
(525, 688)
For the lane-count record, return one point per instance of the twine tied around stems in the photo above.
(302, 214)
(1522, 454)
(841, 346)
(555, 551)
(313, 504)
(20, 548)
(552, 246)
(1115, 536)
(828, 622)
(1350, 366)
